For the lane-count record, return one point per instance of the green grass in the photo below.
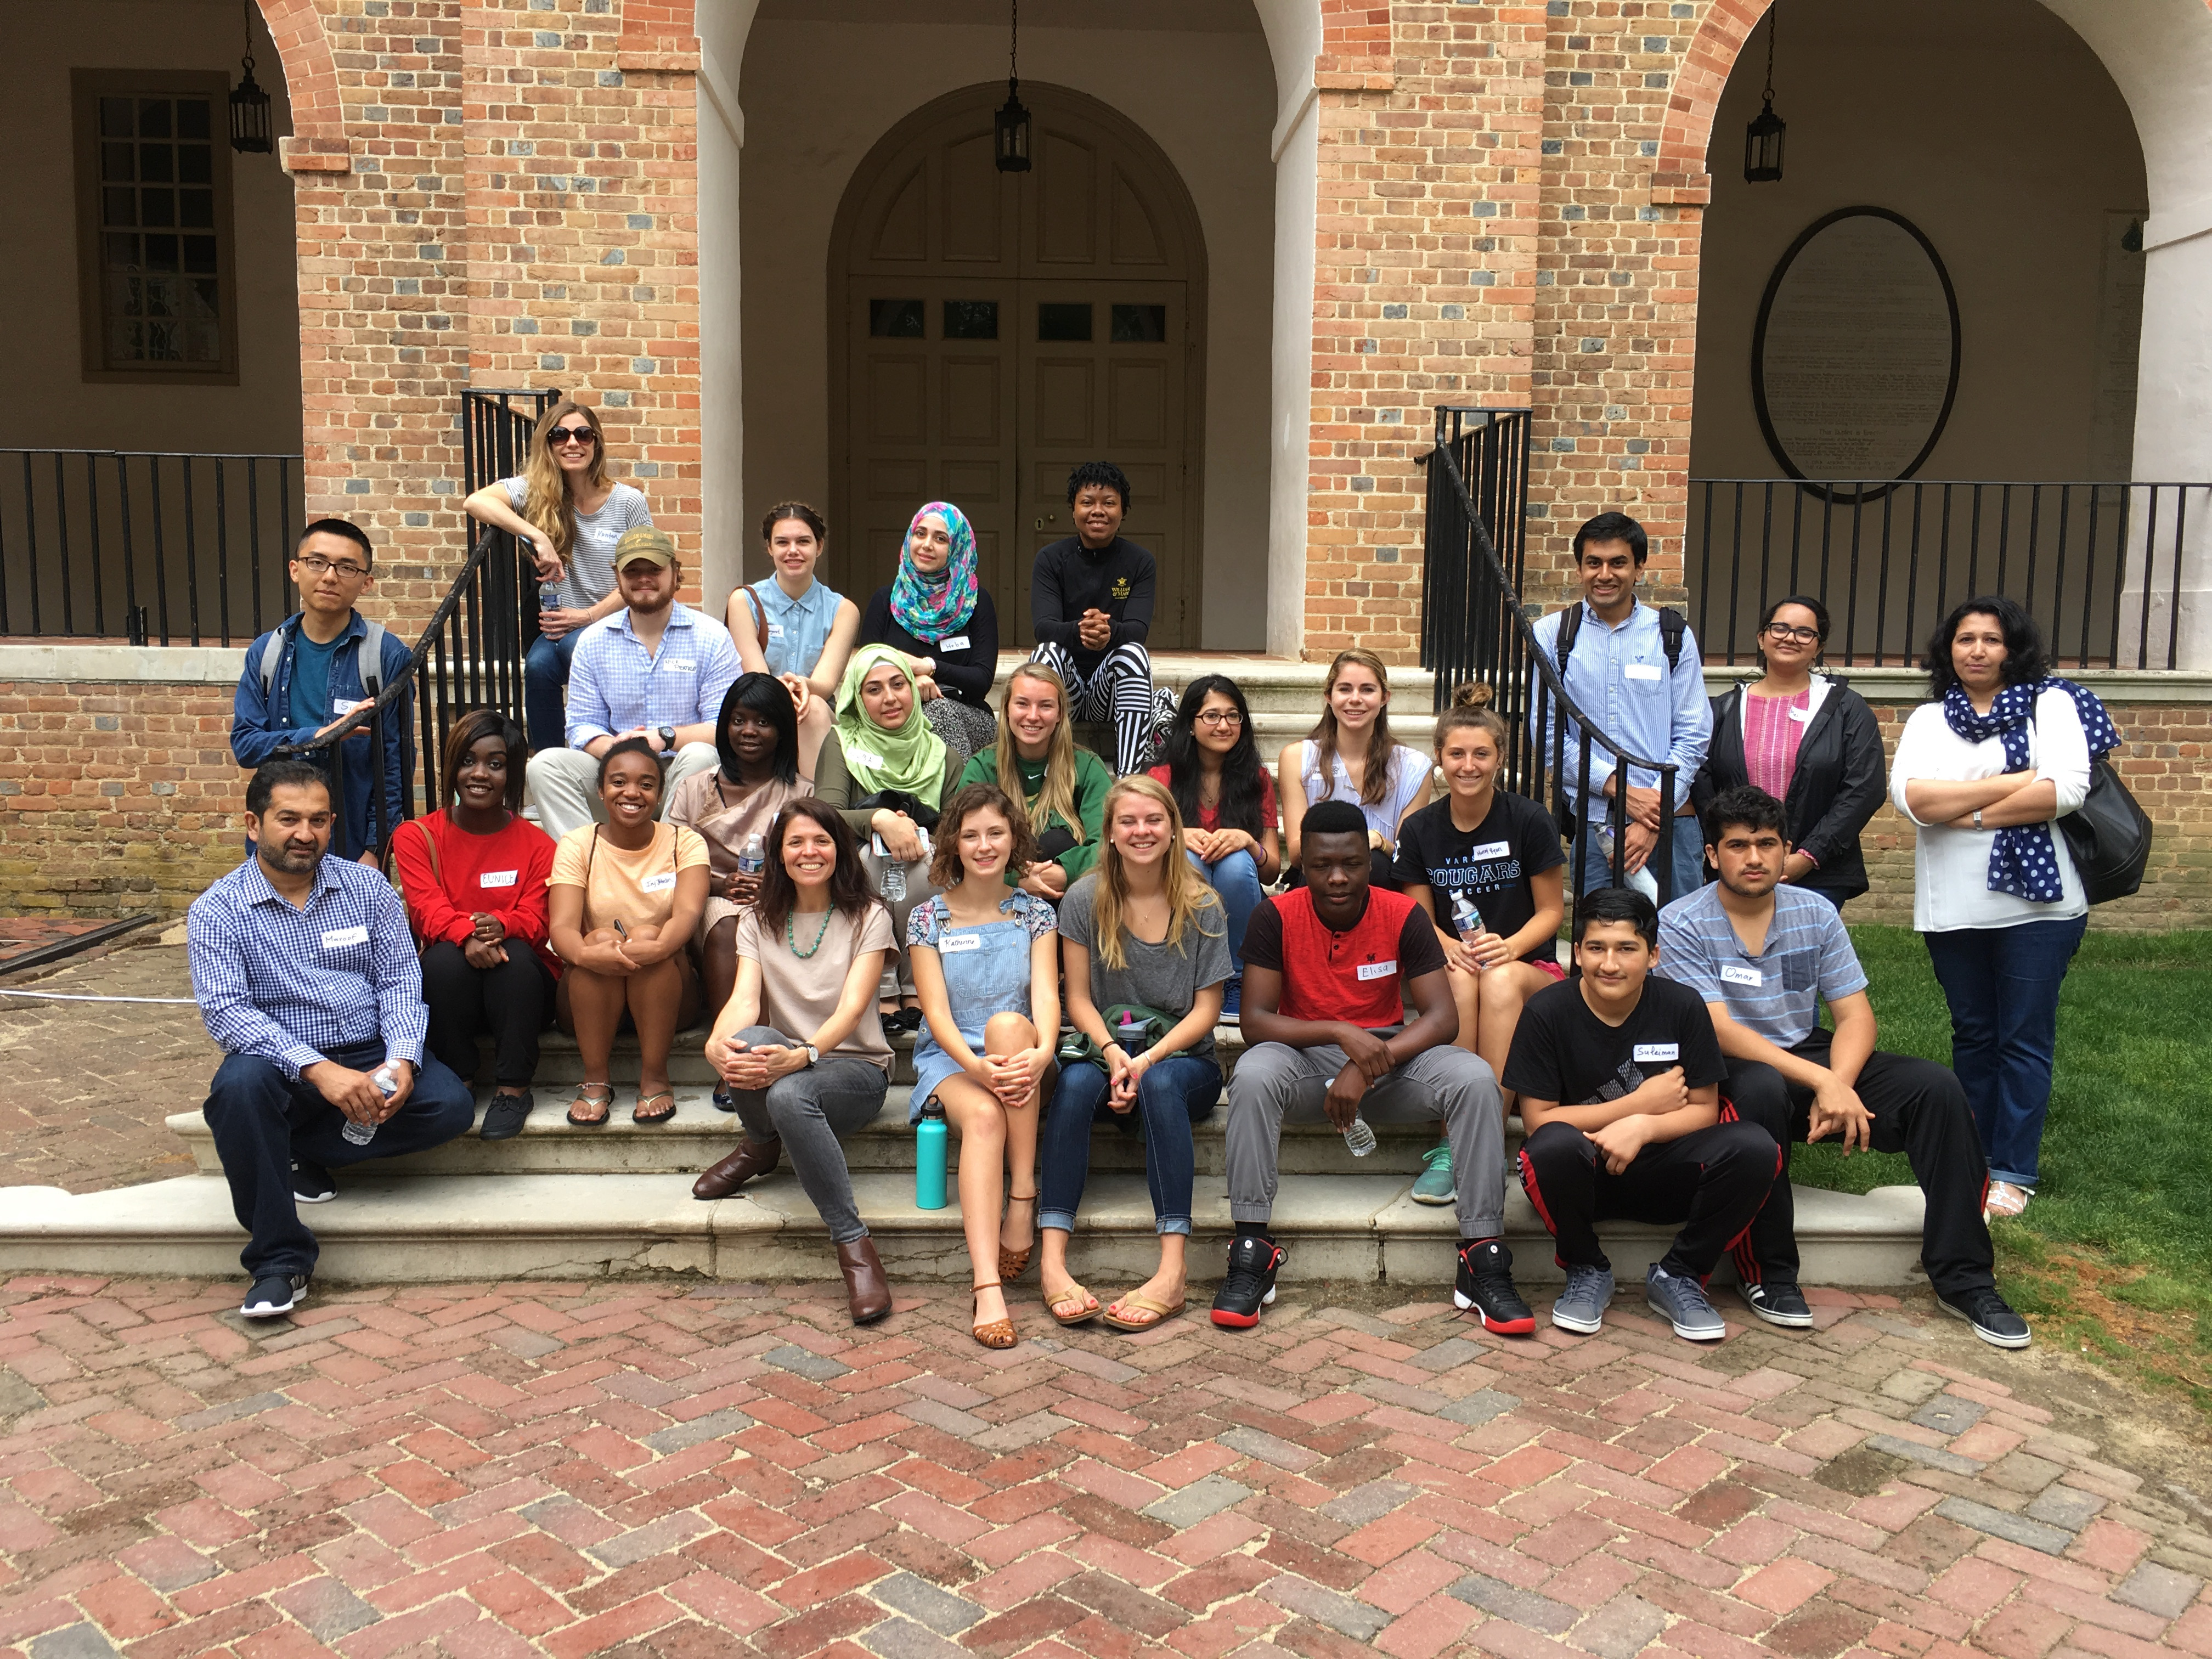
(2124, 1208)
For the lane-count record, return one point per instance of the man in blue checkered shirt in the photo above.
(307, 975)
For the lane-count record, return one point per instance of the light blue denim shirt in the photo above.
(1619, 677)
(797, 628)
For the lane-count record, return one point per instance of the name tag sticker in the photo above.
(498, 878)
(1735, 973)
(775, 630)
(1654, 1051)
(337, 938)
(683, 666)
(1493, 849)
(864, 757)
(659, 884)
(1379, 969)
(1640, 671)
(952, 944)
(957, 642)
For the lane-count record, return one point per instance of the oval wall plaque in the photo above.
(1854, 356)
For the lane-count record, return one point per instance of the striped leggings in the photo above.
(1120, 686)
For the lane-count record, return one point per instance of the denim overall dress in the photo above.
(986, 972)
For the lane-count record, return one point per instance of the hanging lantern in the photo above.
(1762, 137)
(1010, 127)
(249, 105)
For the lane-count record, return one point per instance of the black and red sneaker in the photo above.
(1249, 1284)
(1485, 1284)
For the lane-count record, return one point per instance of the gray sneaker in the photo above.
(1581, 1307)
(1683, 1304)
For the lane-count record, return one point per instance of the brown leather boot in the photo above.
(753, 1158)
(867, 1293)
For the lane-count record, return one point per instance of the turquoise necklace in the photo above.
(820, 934)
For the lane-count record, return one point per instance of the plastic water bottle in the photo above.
(1641, 880)
(1359, 1140)
(894, 883)
(1466, 921)
(1130, 1034)
(752, 857)
(549, 597)
(387, 1084)
(930, 1136)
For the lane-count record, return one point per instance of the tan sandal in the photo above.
(1086, 1311)
(1012, 1264)
(603, 1099)
(639, 1114)
(1161, 1313)
(1000, 1333)
(2004, 1202)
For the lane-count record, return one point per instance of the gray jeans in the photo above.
(808, 1111)
(1274, 1084)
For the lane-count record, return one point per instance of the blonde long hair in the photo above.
(549, 503)
(1188, 896)
(1374, 780)
(1057, 796)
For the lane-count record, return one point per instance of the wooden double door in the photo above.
(997, 329)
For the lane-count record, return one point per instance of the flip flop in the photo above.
(1076, 1293)
(1160, 1311)
(585, 1096)
(639, 1114)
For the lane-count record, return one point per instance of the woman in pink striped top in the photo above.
(1808, 740)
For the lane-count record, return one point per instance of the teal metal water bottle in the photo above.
(929, 1157)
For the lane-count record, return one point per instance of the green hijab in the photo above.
(911, 759)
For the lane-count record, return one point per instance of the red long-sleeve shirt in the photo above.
(503, 873)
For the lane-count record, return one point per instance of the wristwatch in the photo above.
(813, 1054)
(1977, 817)
(667, 737)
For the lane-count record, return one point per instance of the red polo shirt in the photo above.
(1357, 976)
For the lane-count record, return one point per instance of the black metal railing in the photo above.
(155, 548)
(471, 653)
(2098, 565)
(1474, 627)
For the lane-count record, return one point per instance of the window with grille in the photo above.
(154, 222)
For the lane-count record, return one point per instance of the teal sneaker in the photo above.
(1435, 1185)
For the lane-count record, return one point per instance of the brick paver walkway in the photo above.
(672, 1469)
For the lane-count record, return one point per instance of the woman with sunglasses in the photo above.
(1227, 801)
(1809, 741)
(792, 626)
(941, 617)
(566, 515)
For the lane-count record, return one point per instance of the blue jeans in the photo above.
(262, 1119)
(545, 677)
(2003, 986)
(1689, 859)
(1236, 878)
(1172, 1095)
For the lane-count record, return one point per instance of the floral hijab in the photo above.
(933, 609)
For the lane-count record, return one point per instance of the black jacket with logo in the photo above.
(1837, 788)
(1118, 579)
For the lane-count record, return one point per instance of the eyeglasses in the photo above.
(1218, 718)
(1799, 635)
(315, 565)
(561, 436)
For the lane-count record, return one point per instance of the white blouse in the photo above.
(1951, 866)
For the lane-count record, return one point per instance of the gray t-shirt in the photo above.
(1164, 976)
(591, 575)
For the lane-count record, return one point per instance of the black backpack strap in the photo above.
(1673, 625)
(1571, 623)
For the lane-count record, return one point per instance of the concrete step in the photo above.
(699, 1134)
(387, 1229)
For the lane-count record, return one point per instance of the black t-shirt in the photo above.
(1069, 579)
(1563, 1052)
(967, 660)
(1490, 864)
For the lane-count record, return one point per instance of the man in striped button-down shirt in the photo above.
(307, 977)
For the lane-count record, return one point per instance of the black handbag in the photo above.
(2109, 836)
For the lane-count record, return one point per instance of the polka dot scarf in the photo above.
(2024, 858)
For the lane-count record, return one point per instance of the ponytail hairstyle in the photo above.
(1381, 755)
(547, 502)
(1056, 798)
(1188, 895)
(1239, 806)
(1470, 708)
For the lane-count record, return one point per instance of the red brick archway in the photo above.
(1681, 175)
(310, 80)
